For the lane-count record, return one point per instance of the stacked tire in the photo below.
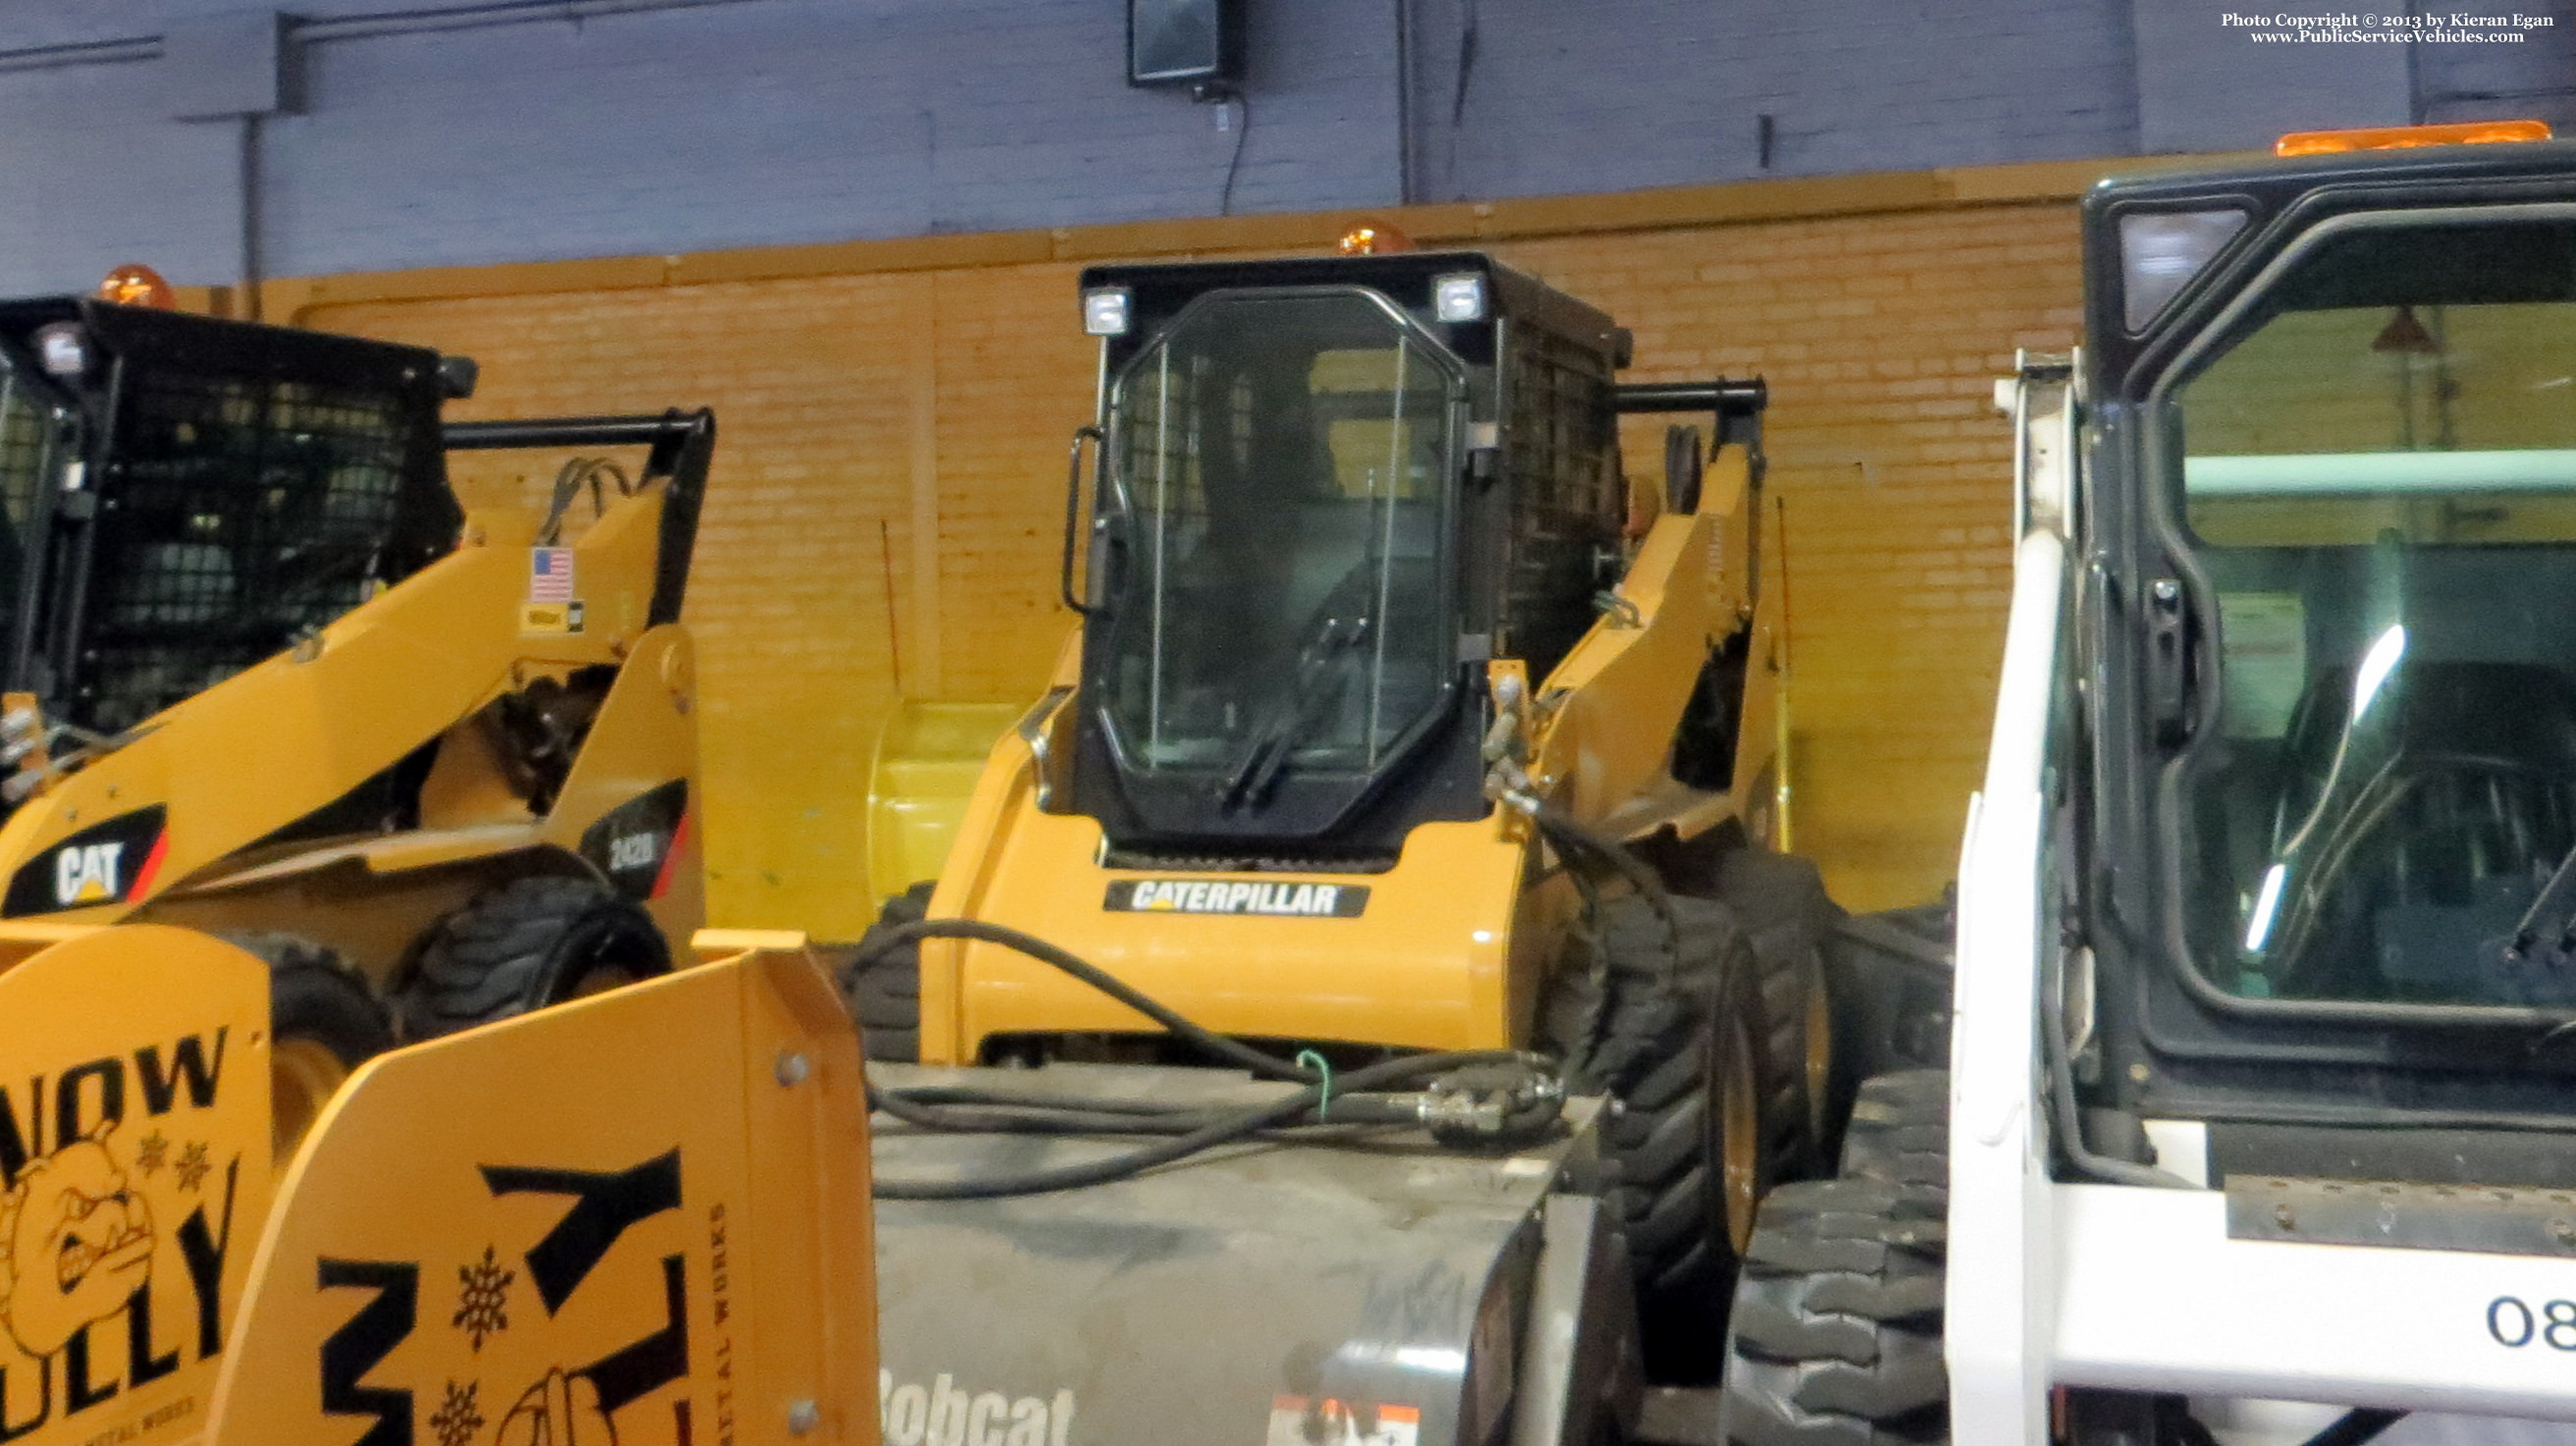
(1835, 1336)
(881, 986)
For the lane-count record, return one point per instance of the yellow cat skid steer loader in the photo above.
(267, 680)
(1395, 723)
(2257, 1124)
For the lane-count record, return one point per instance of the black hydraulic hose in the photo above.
(1561, 828)
(1331, 1100)
(963, 1107)
(1001, 1118)
(999, 1114)
(1208, 1041)
(1225, 1130)
(970, 1095)
(1596, 1004)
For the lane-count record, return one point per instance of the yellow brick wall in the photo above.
(890, 469)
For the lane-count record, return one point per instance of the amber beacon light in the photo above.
(135, 285)
(1372, 238)
(2398, 138)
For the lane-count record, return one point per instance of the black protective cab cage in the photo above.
(182, 496)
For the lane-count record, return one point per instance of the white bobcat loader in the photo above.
(2260, 1124)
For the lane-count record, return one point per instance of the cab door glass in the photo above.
(2378, 480)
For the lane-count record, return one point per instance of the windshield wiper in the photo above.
(1309, 703)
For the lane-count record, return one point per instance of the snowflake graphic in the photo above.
(193, 1165)
(152, 1152)
(456, 1420)
(483, 1307)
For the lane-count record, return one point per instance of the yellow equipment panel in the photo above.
(640, 1219)
(134, 1151)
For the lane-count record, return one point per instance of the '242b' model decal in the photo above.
(636, 843)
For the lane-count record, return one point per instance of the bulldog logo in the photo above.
(76, 1242)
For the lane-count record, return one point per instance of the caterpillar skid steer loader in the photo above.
(1394, 723)
(639, 1219)
(267, 680)
(2257, 1124)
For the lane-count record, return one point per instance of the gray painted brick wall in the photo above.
(1633, 93)
(781, 121)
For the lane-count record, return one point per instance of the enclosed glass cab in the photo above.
(182, 497)
(1328, 491)
(2325, 652)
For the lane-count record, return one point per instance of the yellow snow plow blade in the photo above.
(134, 1151)
(640, 1217)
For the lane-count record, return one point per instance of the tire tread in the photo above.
(883, 994)
(498, 956)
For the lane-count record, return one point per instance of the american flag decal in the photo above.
(550, 574)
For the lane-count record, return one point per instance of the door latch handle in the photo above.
(2167, 702)
(1073, 513)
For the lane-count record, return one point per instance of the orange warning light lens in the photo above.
(135, 285)
(2398, 138)
(1372, 239)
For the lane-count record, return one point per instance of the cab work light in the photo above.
(2398, 138)
(1459, 298)
(1104, 312)
(62, 349)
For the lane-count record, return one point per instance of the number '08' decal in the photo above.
(2515, 1324)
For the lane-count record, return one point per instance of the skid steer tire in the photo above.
(883, 994)
(323, 1022)
(1835, 1339)
(525, 945)
(1900, 1132)
(1782, 902)
(1678, 1044)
